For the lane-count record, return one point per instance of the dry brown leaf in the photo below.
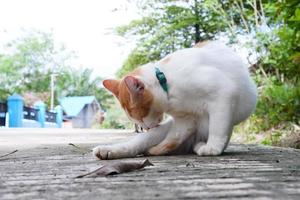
(117, 167)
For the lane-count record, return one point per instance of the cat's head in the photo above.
(136, 100)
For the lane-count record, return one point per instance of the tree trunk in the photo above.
(197, 33)
(196, 26)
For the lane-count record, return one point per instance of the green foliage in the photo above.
(280, 47)
(115, 118)
(279, 98)
(278, 103)
(272, 139)
(136, 58)
(30, 60)
(167, 26)
(79, 82)
(282, 57)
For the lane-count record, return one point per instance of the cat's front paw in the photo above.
(105, 152)
(203, 149)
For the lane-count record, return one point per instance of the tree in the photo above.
(79, 82)
(284, 50)
(30, 60)
(167, 26)
(28, 63)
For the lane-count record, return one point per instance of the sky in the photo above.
(83, 26)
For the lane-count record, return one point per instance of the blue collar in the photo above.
(162, 80)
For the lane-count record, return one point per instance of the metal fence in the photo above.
(51, 116)
(23, 116)
(30, 113)
(3, 110)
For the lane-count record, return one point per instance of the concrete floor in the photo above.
(45, 165)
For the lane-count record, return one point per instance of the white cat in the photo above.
(205, 91)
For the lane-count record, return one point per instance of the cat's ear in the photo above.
(135, 86)
(112, 85)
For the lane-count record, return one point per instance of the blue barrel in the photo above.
(15, 110)
(59, 116)
(41, 113)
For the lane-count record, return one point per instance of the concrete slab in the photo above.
(45, 165)
(22, 138)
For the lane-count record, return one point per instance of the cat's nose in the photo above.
(144, 126)
(153, 125)
(160, 118)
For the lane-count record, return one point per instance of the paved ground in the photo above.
(45, 166)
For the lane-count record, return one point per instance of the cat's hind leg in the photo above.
(202, 132)
(181, 130)
(220, 129)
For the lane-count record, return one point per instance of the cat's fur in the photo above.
(210, 91)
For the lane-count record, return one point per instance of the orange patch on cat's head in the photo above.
(112, 85)
(134, 97)
(201, 44)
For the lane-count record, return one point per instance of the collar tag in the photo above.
(162, 79)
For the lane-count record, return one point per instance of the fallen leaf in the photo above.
(117, 167)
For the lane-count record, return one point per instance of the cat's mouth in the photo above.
(148, 128)
(151, 126)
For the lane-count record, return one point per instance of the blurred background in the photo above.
(55, 54)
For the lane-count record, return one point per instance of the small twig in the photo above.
(8, 153)
(83, 150)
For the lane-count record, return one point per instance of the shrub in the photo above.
(116, 119)
(278, 103)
